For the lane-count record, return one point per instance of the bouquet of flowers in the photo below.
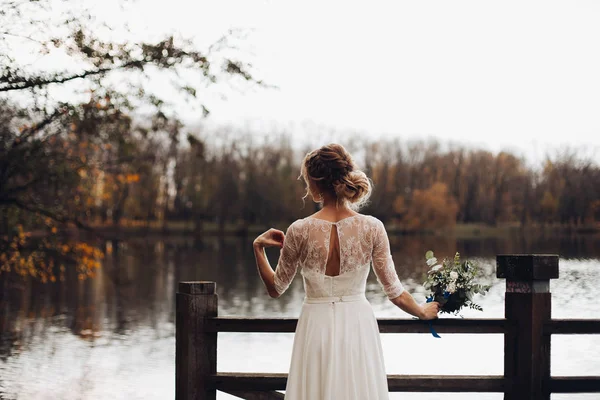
(451, 283)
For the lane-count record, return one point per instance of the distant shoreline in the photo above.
(463, 231)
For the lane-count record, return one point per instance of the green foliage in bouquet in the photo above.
(451, 283)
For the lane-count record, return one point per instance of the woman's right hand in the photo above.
(430, 310)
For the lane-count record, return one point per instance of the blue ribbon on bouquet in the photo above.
(431, 328)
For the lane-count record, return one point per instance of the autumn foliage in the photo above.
(431, 208)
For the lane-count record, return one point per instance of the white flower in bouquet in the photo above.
(453, 276)
(451, 288)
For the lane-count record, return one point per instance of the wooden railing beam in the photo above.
(572, 327)
(575, 384)
(234, 381)
(386, 325)
(254, 395)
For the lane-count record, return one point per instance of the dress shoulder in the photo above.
(296, 228)
(375, 222)
(297, 224)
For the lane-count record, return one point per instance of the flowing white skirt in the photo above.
(337, 352)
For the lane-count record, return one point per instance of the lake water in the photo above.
(112, 337)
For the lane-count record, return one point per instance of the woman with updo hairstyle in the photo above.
(330, 170)
(337, 351)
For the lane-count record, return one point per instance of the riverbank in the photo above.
(461, 231)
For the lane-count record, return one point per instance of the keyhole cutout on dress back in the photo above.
(332, 268)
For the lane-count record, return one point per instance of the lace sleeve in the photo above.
(383, 265)
(288, 261)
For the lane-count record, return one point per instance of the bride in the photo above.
(337, 351)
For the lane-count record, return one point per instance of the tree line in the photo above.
(417, 185)
(96, 165)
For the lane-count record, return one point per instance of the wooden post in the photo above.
(195, 349)
(527, 307)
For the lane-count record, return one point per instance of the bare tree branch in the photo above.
(40, 82)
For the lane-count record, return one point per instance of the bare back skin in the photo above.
(332, 267)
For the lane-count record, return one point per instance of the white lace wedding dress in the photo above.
(337, 352)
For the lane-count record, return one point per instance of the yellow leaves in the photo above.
(133, 178)
(21, 236)
(126, 178)
(38, 260)
(4, 266)
(87, 258)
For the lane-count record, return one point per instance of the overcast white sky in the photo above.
(497, 73)
(522, 75)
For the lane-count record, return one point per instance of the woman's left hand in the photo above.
(271, 238)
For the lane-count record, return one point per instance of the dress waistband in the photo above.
(334, 299)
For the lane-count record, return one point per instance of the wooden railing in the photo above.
(527, 328)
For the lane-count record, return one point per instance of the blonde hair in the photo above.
(331, 170)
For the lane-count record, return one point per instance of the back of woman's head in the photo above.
(331, 170)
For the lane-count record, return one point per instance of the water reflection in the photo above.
(113, 336)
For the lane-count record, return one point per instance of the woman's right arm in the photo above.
(408, 304)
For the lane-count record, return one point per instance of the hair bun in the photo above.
(355, 187)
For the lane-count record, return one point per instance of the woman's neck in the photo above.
(332, 211)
